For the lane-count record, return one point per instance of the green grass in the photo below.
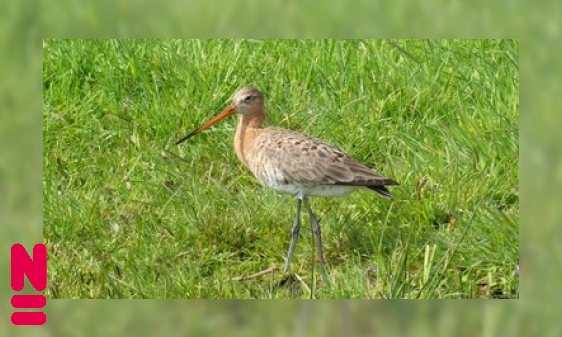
(127, 214)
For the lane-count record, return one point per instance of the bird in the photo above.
(293, 163)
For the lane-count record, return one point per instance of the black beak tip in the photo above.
(181, 140)
(186, 137)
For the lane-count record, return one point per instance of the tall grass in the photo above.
(127, 214)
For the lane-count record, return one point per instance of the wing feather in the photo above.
(293, 157)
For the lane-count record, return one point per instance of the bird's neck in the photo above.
(254, 121)
(247, 129)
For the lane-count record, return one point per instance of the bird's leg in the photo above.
(294, 235)
(318, 235)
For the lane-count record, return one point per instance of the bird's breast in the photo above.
(280, 160)
(270, 173)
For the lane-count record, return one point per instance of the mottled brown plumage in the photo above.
(295, 163)
(292, 162)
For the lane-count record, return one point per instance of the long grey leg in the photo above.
(294, 235)
(318, 235)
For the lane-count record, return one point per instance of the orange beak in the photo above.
(229, 111)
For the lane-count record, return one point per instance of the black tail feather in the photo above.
(381, 190)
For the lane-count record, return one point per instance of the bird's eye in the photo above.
(248, 98)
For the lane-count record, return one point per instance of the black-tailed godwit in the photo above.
(294, 163)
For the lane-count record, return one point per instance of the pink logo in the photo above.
(35, 268)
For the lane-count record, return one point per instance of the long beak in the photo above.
(229, 111)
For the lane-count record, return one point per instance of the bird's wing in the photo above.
(296, 158)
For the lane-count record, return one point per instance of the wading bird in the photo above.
(294, 163)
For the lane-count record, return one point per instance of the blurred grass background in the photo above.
(536, 24)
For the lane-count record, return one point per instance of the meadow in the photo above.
(128, 214)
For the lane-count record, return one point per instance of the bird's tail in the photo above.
(381, 190)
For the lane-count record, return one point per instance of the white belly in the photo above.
(270, 173)
(314, 190)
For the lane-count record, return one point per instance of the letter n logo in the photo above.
(35, 268)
